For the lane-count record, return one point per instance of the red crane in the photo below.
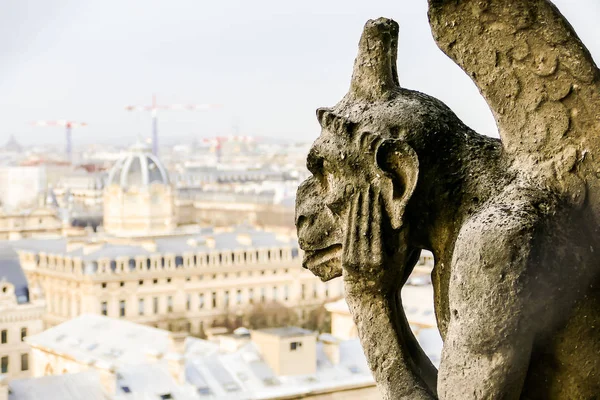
(68, 125)
(154, 107)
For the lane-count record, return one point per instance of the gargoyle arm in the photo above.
(493, 292)
(399, 366)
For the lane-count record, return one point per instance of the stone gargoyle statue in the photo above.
(513, 223)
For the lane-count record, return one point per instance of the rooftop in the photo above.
(83, 385)
(10, 270)
(98, 246)
(288, 331)
(104, 342)
(207, 371)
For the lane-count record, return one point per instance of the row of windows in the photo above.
(4, 365)
(4, 335)
(201, 277)
(223, 258)
(203, 300)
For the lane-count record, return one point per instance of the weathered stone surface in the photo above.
(513, 224)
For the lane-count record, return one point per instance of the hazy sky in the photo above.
(271, 63)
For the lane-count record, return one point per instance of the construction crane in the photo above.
(154, 107)
(68, 125)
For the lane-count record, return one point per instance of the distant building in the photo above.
(81, 189)
(135, 361)
(226, 208)
(21, 186)
(12, 145)
(36, 222)
(185, 281)
(21, 315)
(138, 198)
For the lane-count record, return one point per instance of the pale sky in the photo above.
(270, 63)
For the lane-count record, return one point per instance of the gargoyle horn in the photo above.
(375, 74)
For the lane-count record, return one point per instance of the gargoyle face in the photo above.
(344, 161)
(357, 155)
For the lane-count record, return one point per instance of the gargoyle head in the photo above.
(361, 147)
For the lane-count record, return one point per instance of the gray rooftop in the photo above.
(83, 385)
(105, 341)
(10, 269)
(240, 238)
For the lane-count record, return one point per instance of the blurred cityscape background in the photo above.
(147, 245)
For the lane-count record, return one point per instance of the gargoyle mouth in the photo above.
(325, 263)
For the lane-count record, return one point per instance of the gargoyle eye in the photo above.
(336, 206)
(314, 164)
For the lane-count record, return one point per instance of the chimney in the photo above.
(331, 347)
(3, 387)
(176, 366)
(177, 342)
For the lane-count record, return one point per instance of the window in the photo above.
(326, 290)
(238, 297)
(188, 302)
(286, 292)
(188, 278)
(4, 365)
(104, 308)
(141, 282)
(226, 298)
(122, 308)
(23, 334)
(168, 280)
(262, 295)
(122, 284)
(214, 299)
(201, 300)
(24, 362)
(295, 346)
(251, 296)
(303, 291)
(225, 275)
(103, 285)
(155, 305)
(4, 336)
(315, 293)
(141, 307)
(155, 281)
(275, 293)
(169, 303)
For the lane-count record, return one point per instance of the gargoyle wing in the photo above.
(537, 77)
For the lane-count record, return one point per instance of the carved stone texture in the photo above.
(513, 224)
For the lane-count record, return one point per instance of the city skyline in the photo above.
(269, 64)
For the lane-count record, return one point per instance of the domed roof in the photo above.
(139, 167)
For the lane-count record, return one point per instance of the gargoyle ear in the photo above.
(400, 163)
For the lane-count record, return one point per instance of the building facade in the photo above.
(135, 361)
(188, 282)
(138, 197)
(37, 222)
(21, 315)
